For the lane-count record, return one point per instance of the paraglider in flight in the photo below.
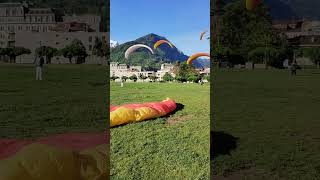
(252, 4)
(135, 47)
(195, 56)
(128, 113)
(158, 43)
(202, 34)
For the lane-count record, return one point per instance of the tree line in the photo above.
(75, 50)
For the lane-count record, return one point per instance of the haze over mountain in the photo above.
(163, 53)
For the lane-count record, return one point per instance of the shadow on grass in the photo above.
(178, 108)
(221, 143)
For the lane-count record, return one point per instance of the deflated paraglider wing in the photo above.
(158, 43)
(127, 113)
(195, 56)
(134, 48)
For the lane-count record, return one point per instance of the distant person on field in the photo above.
(39, 61)
(294, 67)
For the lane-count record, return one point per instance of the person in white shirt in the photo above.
(39, 61)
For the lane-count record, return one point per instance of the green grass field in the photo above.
(269, 122)
(70, 98)
(175, 147)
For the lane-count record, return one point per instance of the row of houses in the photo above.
(121, 70)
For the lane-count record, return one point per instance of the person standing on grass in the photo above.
(39, 61)
(294, 68)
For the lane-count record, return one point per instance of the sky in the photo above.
(180, 21)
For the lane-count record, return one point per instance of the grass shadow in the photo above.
(178, 108)
(221, 143)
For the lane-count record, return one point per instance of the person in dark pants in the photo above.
(294, 68)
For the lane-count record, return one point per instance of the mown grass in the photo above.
(156, 149)
(275, 119)
(71, 98)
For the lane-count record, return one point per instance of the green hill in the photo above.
(148, 61)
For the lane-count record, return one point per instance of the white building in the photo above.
(17, 17)
(165, 68)
(33, 40)
(120, 70)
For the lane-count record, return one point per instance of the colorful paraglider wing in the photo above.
(195, 56)
(135, 47)
(202, 34)
(64, 156)
(124, 114)
(158, 43)
(252, 4)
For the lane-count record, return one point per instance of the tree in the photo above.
(183, 71)
(143, 77)
(124, 78)
(113, 78)
(67, 53)
(153, 78)
(75, 49)
(13, 52)
(134, 78)
(167, 77)
(100, 48)
(313, 54)
(245, 30)
(48, 52)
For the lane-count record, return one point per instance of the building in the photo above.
(93, 21)
(6, 39)
(165, 68)
(17, 17)
(120, 70)
(23, 26)
(301, 33)
(296, 29)
(59, 40)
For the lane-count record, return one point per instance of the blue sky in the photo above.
(180, 21)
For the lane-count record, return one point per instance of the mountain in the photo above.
(163, 53)
(113, 43)
(282, 10)
(290, 9)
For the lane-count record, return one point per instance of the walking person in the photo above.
(39, 61)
